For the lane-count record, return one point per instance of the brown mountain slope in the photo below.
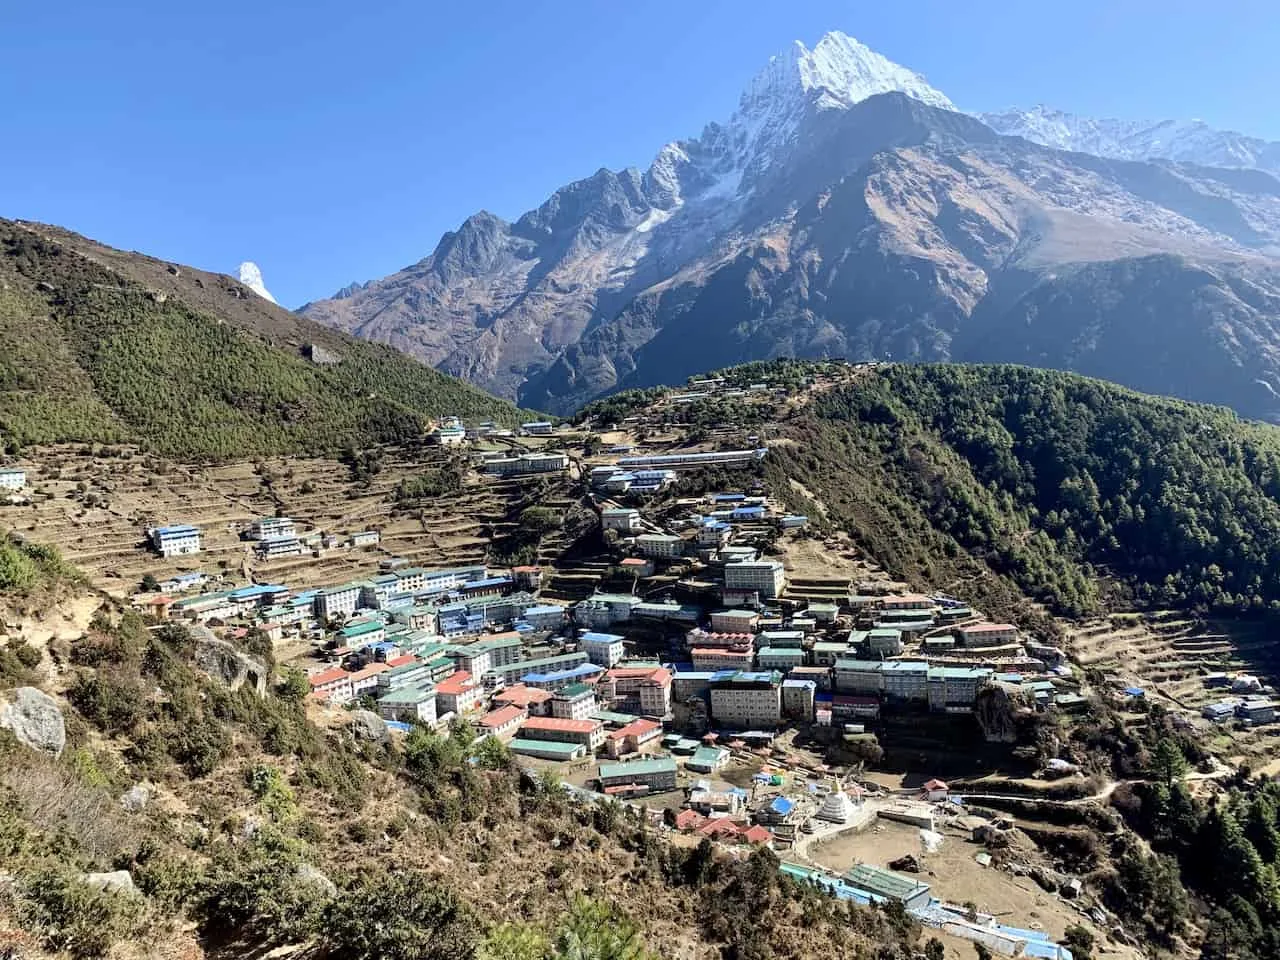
(101, 345)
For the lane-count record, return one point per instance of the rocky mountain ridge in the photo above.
(848, 209)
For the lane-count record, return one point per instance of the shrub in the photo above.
(400, 916)
(74, 917)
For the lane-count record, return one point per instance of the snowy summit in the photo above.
(251, 277)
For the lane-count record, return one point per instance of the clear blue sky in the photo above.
(333, 142)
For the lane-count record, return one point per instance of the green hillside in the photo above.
(100, 345)
(1011, 480)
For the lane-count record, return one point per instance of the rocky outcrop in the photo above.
(366, 725)
(313, 877)
(999, 709)
(35, 720)
(224, 663)
(136, 798)
(114, 881)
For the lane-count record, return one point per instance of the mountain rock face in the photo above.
(848, 209)
(250, 275)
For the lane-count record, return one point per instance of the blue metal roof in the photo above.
(258, 590)
(582, 670)
(782, 806)
(487, 582)
(176, 528)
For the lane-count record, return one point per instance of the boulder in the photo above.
(311, 876)
(224, 663)
(35, 720)
(1045, 878)
(909, 863)
(997, 709)
(137, 797)
(115, 881)
(366, 725)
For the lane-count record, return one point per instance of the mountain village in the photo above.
(698, 668)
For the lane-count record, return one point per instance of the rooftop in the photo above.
(636, 728)
(520, 695)
(637, 768)
(522, 745)
(501, 717)
(455, 684)
(561, 724)
(885, 883)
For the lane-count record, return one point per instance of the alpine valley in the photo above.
(847, 208)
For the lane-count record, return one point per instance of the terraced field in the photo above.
(96, 509)
(1169, 654)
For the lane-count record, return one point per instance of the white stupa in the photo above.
(837, 808)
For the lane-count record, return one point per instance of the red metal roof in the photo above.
(328, 676)
(561, 724)
(401, 660)
(501, 717)
(689, 820)
(455, 683)
(371, 670)
(523, 696)
(636, 728)
(721, 826)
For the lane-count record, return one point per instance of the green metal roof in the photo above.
(884, 883)
(573, 690)
(360, 629)
(491, 643)
(557, 747)
(408, 696)
(637, 768)
(708, 755)
(866, 666)
(609, 718)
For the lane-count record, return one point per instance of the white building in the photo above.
(409, 703)
(528, 463)
(272, 547)
(365, 538)
(546, 616)
(620, 518)
(338, 602)
(574, 702)
(747, 701)
(662, 545)
(603, 649)
(268, 528)
(765, 577)
(458, 693)
(987, 634)
(175, 540)
(333, 685)
(714, 534)
(12, 479)
(450, 435)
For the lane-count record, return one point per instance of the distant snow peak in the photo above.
(251, 276)
(1184, 141)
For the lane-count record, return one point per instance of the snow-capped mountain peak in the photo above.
(842, 68)
(250, 275)
(1183, 141)
(835, 74)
